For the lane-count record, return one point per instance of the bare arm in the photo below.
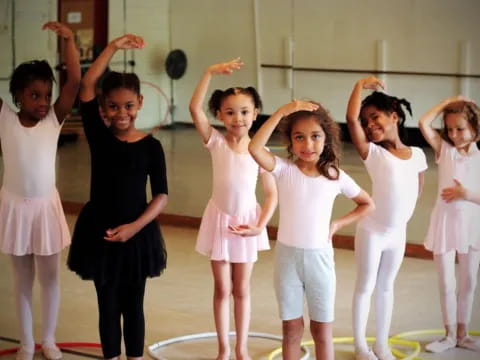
(89, 81)
(268, 208)
(124, 232)
(262, 156)
(69, 90)
(472, 196)
(459, 192)
(199, 117)
(364, 206)
(270, 199)
(421, 182)
(425, 123)
(355, 128)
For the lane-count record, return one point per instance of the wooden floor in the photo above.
(179, 303)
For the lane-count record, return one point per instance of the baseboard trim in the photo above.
(339, 241)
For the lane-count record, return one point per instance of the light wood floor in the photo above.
(179, 303)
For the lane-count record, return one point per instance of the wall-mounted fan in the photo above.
(175, 65)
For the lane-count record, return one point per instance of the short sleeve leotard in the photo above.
(119, 173)
(31, 214)
(233, 202)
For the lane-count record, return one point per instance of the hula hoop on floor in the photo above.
(152, 348)
(415, 345)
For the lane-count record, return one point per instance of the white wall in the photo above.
(212, 31)
(150, 19)
(418, 35)
(30, 41)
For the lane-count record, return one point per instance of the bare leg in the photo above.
(241, 273)
(322, 336)
(221, 305)
(292, 337)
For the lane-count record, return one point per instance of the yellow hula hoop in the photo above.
(415, 345)
(398, 339)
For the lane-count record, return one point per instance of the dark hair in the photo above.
(331, 154)
(218, 96)
(116, 80)
(471, 113)
(388, 104)
(28, 72)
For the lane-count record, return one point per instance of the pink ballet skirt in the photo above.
(454, 226)
(217, 242)
(32, 225)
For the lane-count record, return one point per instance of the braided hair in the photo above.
(388, 104)
(27, 72)
(116, 80)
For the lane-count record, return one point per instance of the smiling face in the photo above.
(120, 109)
(378, 125)
(35, 99)
(459, 130)
(237, 112)
(307, 140)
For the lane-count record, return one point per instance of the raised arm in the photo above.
(199, 117)
(359, 138)
(364, 206)
(89, 81)
(425, 123)
(69, 90)
(262, 156)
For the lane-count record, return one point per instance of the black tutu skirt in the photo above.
(93, 258)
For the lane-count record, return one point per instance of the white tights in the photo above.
(24, 274)
(457, 308)
(378, 258)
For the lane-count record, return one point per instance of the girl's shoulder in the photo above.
(282, 166)
(153, 144)
(7, 116)
(85, 105)
(6, 110)
(282, 163)
(216, 138)
(417, 151)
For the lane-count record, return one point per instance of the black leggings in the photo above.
(114, 301)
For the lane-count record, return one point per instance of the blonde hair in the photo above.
(470, 111)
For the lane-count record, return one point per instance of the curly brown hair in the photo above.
(470, 111)
(329, 161)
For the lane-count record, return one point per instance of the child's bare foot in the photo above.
(242, 354)
(223, 355)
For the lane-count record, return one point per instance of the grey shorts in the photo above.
(305, 272)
